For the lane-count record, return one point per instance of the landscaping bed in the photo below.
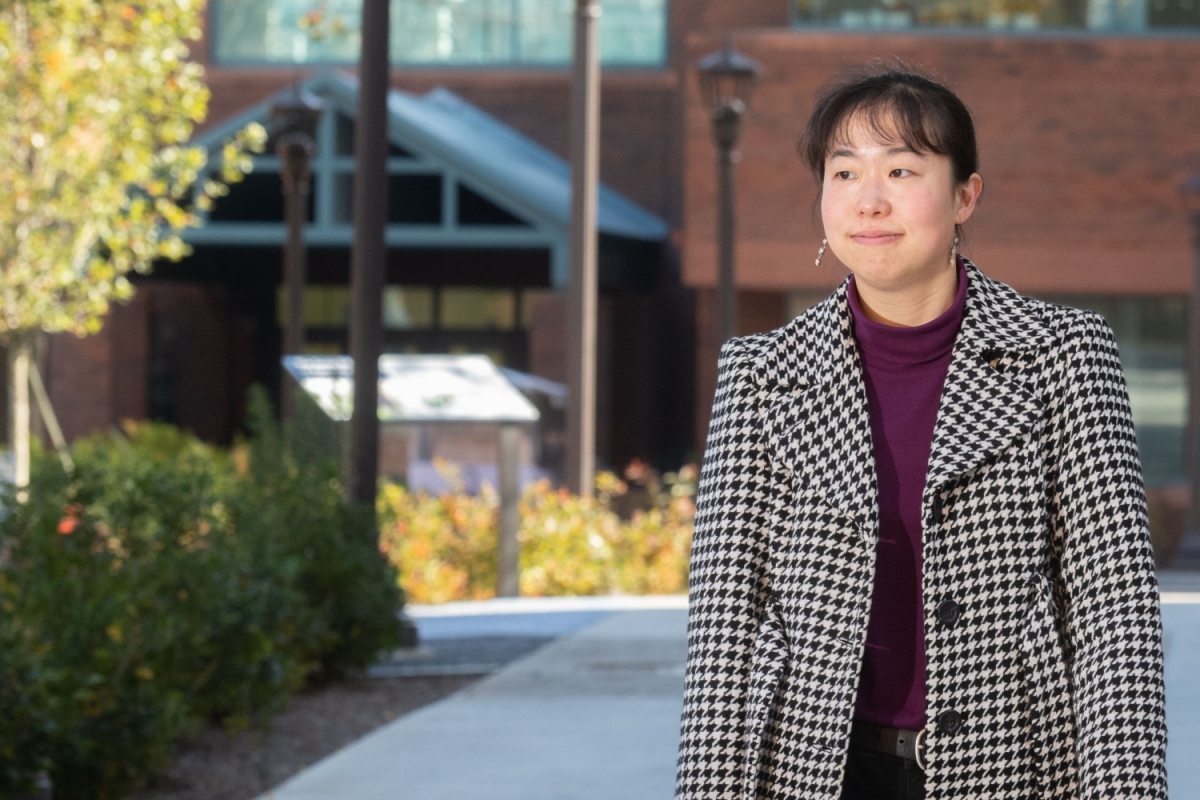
(316, 723)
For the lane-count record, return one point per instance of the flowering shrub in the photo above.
(445, 546)
(165, 583)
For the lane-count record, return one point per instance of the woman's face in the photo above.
(889, 212)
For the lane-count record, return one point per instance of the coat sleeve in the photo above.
(726, 586)
(1107, 585)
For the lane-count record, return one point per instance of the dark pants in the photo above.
(878, 776)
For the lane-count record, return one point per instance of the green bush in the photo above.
(164, 584)
(445, 545)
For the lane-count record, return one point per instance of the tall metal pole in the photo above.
(1188, 552)
(369, 253)
(1192, 452)
(508, 582)
(727, 120)
(582, 295)
(295, 151)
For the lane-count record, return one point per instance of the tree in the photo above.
(98, 100)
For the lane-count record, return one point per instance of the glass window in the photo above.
(407, 307)
(1016, 15)
(412, 198)
(415, 199)
(478, 309)
(404, 307)
(258, 197)
(475, 209)
(324, 306)
(632, 32)
(1151, 336)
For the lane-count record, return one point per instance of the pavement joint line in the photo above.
(1180, 598)
(542, 605)
(431, 670)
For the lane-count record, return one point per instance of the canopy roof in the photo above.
(441, 126)
(417, 388)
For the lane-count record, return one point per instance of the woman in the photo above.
(921, 564)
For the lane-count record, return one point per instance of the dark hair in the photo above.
(894, 102)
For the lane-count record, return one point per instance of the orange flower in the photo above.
(70, 520)
(128, 13)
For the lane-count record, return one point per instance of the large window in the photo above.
(1018, 15)
(463, 32)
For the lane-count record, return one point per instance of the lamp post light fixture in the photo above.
(727, 79)
(293, 119)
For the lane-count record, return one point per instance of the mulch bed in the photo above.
(216, 766)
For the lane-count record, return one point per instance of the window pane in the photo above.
(478, 309)
(324, 306)
(1151, 336)
(475, 209)
(407, 307)
(1100, 15)
(632, 32)
(415, 199)
(256, 198)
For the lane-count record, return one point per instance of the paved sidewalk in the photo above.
(594, 714)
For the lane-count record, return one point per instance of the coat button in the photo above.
(949, 612)
(950, 722)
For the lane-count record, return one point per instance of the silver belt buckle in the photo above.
(919, 747)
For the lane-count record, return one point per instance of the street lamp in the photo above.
(293, 119)
(726, 80)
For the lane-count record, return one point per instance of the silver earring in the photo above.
(821, 252)
(954, 252)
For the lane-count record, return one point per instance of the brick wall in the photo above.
(1083, 145)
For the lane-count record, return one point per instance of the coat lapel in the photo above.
(817, 417)
(983, 410)
(816, 414)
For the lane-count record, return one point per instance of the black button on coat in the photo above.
(949, 612)
(1041, 535)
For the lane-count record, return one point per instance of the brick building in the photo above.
(1087, 126)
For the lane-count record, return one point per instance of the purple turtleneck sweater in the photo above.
(904, 370)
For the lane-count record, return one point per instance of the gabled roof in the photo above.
(445, 128)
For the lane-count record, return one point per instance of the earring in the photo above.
(954, 252)
(821, 252)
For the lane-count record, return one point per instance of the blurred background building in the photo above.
(1086, 113)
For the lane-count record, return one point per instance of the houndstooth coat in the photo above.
(1046, 684)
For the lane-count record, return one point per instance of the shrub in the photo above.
(445, 546)
(165, 583)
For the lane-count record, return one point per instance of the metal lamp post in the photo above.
(583, 289)
(368, 256)
(727, 79)
(1189, 548)
(294, 118)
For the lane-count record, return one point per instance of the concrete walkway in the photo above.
(594, 714)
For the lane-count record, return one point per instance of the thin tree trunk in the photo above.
(19, 359)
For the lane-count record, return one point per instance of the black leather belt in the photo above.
(893, 741)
